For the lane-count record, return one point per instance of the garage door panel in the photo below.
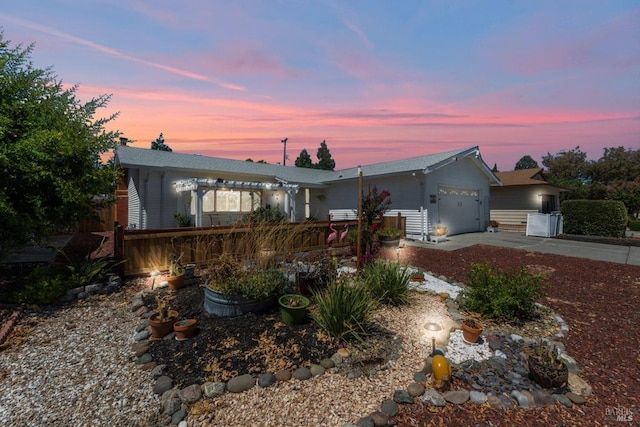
(458, 209)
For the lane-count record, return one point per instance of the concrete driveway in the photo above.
(597, 251)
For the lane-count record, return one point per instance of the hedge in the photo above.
(594, 217)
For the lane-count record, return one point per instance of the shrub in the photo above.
(387, 282)
(390, 232)
(268, 215)
(43, 287)
(90, 271)
(634, 224)
(46, 285)
(343, 309)
(182, 220)
(606, 218)
(501, 295)
(251, 284)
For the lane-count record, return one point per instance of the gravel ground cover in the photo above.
(73, 365)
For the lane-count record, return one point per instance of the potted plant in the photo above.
(184, 329)
(316, 274)
(471, 330)
(389, 236)
(293, 308)
(176, 274)
(493, 226)
(545, 366)
(233, 289)
(417, 276)
(162, 320)
(439, 233)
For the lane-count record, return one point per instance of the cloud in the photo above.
(121, 55)
(245, 61)
(552, 43)
(360, 33)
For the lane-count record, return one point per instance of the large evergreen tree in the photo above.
(304, 160)
(159, 144)
(526, 162)
(50, 148)
(325, 162)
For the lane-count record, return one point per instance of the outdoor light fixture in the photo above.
(154, 274)
(433, 327)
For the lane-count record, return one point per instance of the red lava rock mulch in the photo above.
(599, 301)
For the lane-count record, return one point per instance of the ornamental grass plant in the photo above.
(344, 309)
(387, 282)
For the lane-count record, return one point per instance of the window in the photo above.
(209, 201)
(457, 191)
(218, 200)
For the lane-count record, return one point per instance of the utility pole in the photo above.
(284, 157)
(359, 240)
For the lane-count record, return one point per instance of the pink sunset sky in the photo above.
(378, 80)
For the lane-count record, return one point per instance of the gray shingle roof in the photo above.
(141, 157)
(413, 164)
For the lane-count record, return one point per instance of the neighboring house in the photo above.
(452, 186)
(522, 192)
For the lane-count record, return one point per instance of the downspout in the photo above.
(143, 205)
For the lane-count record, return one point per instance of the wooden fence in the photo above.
(148, 250)
(103, 223)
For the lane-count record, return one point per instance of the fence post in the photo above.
(118, 245)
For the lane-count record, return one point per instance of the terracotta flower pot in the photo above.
(417, 277)
(184, 329)
(471, 330)
(160, 329)
(176, 282)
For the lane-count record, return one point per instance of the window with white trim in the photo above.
(223, 200)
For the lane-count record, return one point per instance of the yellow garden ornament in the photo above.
(441, 368)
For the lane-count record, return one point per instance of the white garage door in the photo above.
(459, 209)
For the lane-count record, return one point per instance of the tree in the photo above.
(159, 144)
(570, 170)
(495, 168)
(50, 148)
(259, 161)
(304, 160)
(325, 162)
(616, 176)
(526, 162)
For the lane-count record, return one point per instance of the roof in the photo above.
(142, 157)
(422, 164)
(533, 176)
(133, 157)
